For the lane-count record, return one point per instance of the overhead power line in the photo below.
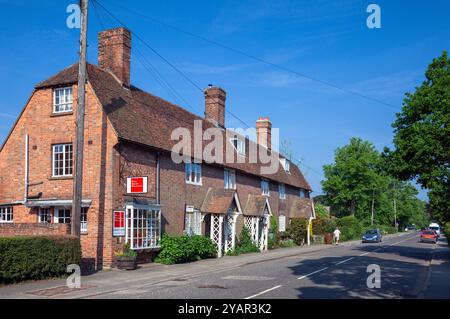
(163, 58)
(258, 59)
(175, 68)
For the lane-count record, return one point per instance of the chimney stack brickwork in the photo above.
(114, 53)
(215, 98)
(264, 132)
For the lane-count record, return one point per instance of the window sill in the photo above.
(195, 184)
(59, 178)
(6, 222)
(61, 114)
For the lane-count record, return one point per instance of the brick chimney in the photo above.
(114, 52)
(264, 132)
(215, 105)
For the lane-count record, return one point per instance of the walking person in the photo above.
(336, 234)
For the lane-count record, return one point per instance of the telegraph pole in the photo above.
(78, 173)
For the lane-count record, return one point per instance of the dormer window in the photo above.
(62, 100)
(239, 145)
(286, 164)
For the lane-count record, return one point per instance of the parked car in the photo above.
(372, 236)
(428, 236)
(436, 228)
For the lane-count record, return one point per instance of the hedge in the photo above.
(37, 257)
(350, 228)
(180, 249)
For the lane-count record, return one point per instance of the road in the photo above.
(408, 269)
(338, 272)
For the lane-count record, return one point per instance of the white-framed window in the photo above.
(6, 214)
(286, 164)
(44, 216)
(193, 222)
(229, 179)
(62, 100)
(143, 226)
(62, 159)
(265, 187)
(194, 173)
(282, 190)
(62, 216)
(84, 219)
(239, 145)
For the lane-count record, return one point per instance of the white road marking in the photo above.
(325, 268)
(314, 272)
(344, 261)
(263, 292)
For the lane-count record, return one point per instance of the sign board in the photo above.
(282, 223)
(119, 224)
(137, 185)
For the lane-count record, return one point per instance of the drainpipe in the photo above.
(25, 195)
(158, 198)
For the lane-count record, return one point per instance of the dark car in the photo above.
(372, 236)
(428, 236)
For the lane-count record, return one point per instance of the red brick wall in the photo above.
(44, 130)
(33, 229)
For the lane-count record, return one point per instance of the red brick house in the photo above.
(128, 133)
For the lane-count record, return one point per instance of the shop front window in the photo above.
(143, 227)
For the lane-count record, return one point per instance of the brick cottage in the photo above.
(128, 167)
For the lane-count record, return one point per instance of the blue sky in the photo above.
(327, 40)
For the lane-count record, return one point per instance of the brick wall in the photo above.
(45, 129)
(33, 229)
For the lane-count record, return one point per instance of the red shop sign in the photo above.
(137, 185)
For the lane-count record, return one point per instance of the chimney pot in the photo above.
(114, 53)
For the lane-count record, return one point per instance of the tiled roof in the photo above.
(146, 119)
(218, 201)
(301, 208)
(255, 205)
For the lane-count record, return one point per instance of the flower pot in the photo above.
(126, 263)
(328, 239)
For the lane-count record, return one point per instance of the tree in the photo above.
(422, 137)
(351, 180)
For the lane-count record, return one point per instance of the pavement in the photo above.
(408, 269)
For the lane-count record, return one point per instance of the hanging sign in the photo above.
(137, 185)
(119, 224)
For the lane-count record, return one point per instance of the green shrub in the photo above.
(32, 258)
(274, 238)
(330, 226)
(287, 243)
(350, 228)
(127, 252)
(297, 230)
(245, 244)
(319, 226)
(321, 211)
(447, 232)
(180, 249)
